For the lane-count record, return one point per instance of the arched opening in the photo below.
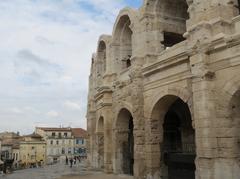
(235, 120)
(102, 57)
(172, 15)
(123, 37)
(125, 143)
(177, 138)
(100, 142)
(238, 6)
(235, 106)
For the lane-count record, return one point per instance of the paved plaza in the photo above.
(61, 171)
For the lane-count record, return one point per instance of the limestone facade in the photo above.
(164, 92)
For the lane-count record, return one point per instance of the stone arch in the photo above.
(172, 137)
(123, 38)
(182, 93)
(171, 19)
(228, 136)
(102, 57)
(100, 142)
(102, 54)
(100, 124)
(231, 87)
(124, 143)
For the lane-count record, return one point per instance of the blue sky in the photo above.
(45, 54)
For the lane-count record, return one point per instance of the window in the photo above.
(33, 147)
(80, 141)
(63, 150)
(51, 142)
(65, 134)
(69, 150)
(53, 134)
(171, 39)
(128, 63)
(59, 134)
(57, 142)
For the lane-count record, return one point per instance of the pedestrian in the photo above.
(71, 162)
(66, 160)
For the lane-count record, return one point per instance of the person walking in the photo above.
(75, 160)
(71, 162)
(66, 160)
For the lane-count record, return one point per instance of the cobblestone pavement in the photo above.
(60, 171)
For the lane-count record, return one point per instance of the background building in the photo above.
(60, 143)
(10, 140)
(16, 155)
(79, 135)
(32, 151)
(63, 142)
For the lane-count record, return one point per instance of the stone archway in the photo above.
(100, 142)
(170, 17)
(124, 149)
(122, 38)
(101, 55)
(229, 145)
(173, 138)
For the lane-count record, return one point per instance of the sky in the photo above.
(45, 54)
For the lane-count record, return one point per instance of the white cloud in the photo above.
(72, 105)
(45, 58)
(16, 110)
(52, 113)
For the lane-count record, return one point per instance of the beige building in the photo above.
(16, 155)
(10, 140)
(60, 143)
(80, 144)
(32, 151)
(164, 92)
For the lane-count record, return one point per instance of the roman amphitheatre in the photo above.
(164, 92)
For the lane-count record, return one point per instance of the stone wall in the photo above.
(157, 55)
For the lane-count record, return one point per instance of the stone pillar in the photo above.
(91, 121)
(108, 165)
(203, 116)
(138, 117)
(152, 148)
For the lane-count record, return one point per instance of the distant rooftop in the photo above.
(54, 128)
(79, 132)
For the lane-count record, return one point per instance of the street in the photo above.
(61, 171)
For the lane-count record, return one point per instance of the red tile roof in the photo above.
(54, 128)
(79, 132)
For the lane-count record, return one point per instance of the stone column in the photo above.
(203, 115)
(91, 121)
(108, 165)
(152, 148)
(138, 117)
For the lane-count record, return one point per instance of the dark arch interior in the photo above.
(178, 149)
(124, 35)
(238, 6)
(102, 56)
(235, 105)
(173, 15)
(126, 139)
